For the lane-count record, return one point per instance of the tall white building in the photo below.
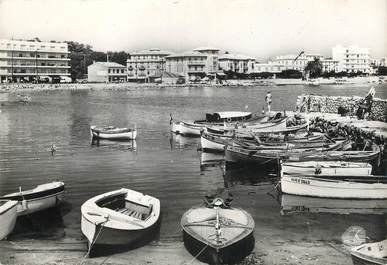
(237, 63)
(146, 65)
(352, 59)
(31, 60)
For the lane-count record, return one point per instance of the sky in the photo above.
(259, 28)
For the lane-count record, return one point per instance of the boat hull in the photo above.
(132, 135)
(233, 157)
(370, 254)
(211, 145)
(175, 127)
(38, 201)
(8, 216)
(188, 129)
(327, 168)
(330, 188)
(229, 254)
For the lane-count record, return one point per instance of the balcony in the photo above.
(34, 58)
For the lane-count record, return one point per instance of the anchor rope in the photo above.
(93, 242)
(194, 258)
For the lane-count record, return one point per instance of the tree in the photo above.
(314, 68)
(382, 70)
(290, 73)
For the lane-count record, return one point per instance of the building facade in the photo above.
(295, 62)
(106, 72)
(146, 65)
(237, 63)
(330, 65)
(190, 65)
(269, 67)
(352, 59)
(33, 60)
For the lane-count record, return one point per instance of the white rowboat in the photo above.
(113, 133)
(42, 197)
(120, 217)
(326, 168)
(370, 254)
(8, 215)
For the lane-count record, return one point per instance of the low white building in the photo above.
(295, 62)
(237, 63)
(352, 59)
(106, 72)
(330, 65)
(269, 67)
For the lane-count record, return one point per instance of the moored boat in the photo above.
(346, 187)
(218, 233)
(8, 215)
(41, 197)
(326, 168)
(119, 218)
(113, 133)
(370, 254)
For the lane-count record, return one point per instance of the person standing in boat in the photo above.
(268, 100)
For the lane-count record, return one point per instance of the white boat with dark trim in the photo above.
(326, 168)
(345, 187)
(113, 133)
(193, 128)
(41, 197)
(370, 254)
(118, 218)
(8, 215)
(218, 233)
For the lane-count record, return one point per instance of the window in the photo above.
(109, 71)
(122, 71)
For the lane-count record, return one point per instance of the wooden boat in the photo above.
(370, 254)
(113, 133)
(193, 128)
(8, 215)
(41, 197)
(119, 217)
(326, 168)
(303, 204)
(270, 157)
(345, 187)
(218, 233)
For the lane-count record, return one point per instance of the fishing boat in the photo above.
(41, 197)
(113, 133)
(217, 233)
(370, 254)
(302, 204)
(345, 187)
(119, 217)
(326, 168)
(8, 215)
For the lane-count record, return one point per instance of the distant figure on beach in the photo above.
(268, 101)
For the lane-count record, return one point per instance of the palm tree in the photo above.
(314, 68)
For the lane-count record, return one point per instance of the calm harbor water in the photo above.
(157, 163)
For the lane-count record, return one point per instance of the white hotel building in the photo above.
(146, 65)
(352, 59)
(294, 62)
(192, 64)
(236, 63)
(26, 61)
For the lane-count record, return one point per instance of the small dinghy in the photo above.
(370, 254)
(8, 215)
(41, 197)
(217, 233)
(113, 133)
(118, 218)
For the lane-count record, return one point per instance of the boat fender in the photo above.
(317, 171)
(228, 119)
(24, 205)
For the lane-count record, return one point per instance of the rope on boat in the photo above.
(194, 258)
(93, 242)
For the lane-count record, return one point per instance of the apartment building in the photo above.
(237, 63)
(330, 65)
(32, 60)
(352, 59)
(295, 62)
(106, 72)
(269, 67)
(146, 65)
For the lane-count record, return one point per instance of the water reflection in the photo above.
(130, 145)
(178, 141)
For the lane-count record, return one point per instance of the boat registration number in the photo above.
(301, 181)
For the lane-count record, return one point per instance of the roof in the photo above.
(187, 54)
(152, 51)
(110, 64)
(206, 49)
(229, 56)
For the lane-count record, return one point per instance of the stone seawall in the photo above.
(330, 104)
